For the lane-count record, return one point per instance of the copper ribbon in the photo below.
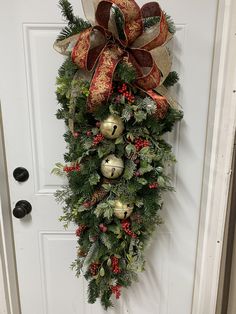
(99, 49)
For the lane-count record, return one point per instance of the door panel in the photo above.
(34, 140)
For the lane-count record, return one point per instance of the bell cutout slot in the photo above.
(114, 129)
(113, 171)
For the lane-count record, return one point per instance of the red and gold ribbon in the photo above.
(99, 48)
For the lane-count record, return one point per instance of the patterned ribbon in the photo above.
(100, 48)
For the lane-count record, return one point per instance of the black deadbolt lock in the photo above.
(21, 174)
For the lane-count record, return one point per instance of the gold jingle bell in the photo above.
(112, 127)
(122, 210)
(112, 167)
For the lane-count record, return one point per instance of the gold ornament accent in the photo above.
(112, 127)
(122, 210)
(112, 167)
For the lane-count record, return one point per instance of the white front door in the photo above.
(33, 138)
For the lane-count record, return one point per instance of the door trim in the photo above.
(216, 179)
(218, 162)
(8, 278)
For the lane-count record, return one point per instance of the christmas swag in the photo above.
(114, 97)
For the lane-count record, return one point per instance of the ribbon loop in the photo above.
(156, 35)
(149, 76)
(88, 47)
(131, 14)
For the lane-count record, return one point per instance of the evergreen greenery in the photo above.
(89, 199)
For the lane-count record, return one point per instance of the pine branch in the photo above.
(125, 72)
(171, 24)
(67, 69)
(93, 291)
(75, 24)
(119, 20)
(171, 79)
(150, 21)
(67, 10)
(73, 29)
(105, 299)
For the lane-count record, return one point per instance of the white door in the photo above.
(33, 138)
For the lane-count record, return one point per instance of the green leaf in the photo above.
(94, 179)
(127, 113)
(106, 148)
(58, 170)
(145, 169)
(140, 116)
(106, 240)
(102, 272)
(107, 187)
(88, 144)
(130, 166)
(105, 210)
(130, 148)
(114, 228)
(119, 140)
(130, 136)
(142, 181)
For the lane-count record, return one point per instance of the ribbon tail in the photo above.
(162, 58)
(163, 91)
(101, 84)
(162, 105)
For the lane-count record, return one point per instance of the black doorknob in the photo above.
(21, 174)
(22, 209)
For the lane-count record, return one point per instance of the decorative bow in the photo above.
(102, 46)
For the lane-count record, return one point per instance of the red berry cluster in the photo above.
(115, 265)
(125, 224)
(140, 143)
(75, 167)
(103, 228)
(124, 91)
(93, 268)
(98, 139)
(80, 230)
(116, 291)
(153, 185)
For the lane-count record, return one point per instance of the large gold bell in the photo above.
(112, 127)
(112, 167)
(122, 210)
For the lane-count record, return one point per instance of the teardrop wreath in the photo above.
(113, 94)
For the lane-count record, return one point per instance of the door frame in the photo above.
(218, 162)
(215, 185)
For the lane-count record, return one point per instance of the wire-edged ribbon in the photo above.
(101, 47)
